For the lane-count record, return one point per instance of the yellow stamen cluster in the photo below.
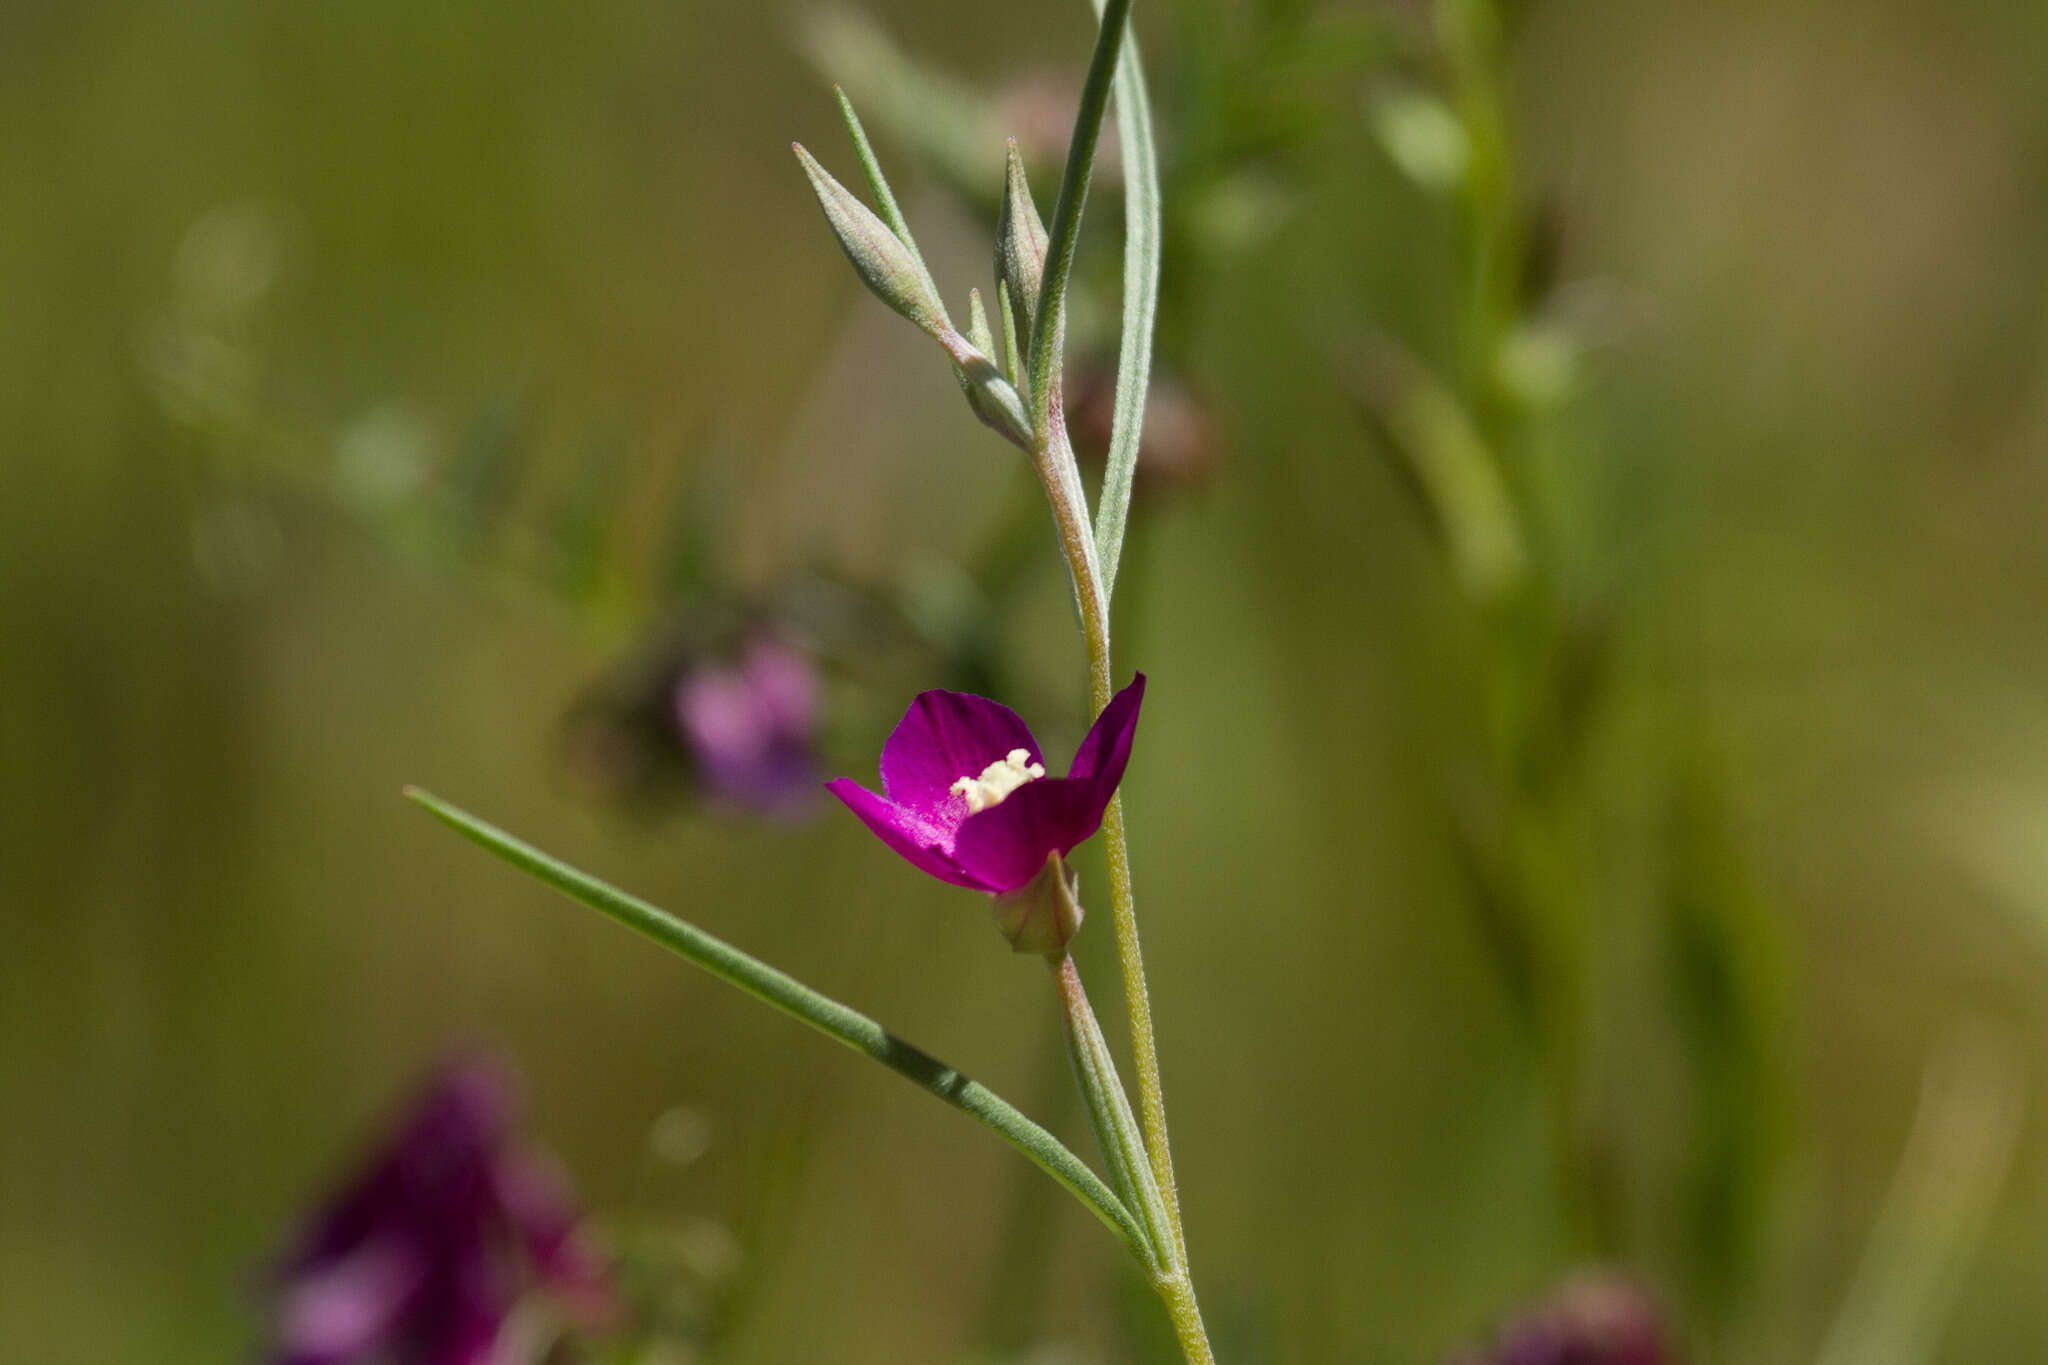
(998, 780)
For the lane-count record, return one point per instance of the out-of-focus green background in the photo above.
(1810, 467)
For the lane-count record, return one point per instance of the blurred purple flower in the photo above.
(751, 726)
(422, 1260)
(1594, 1318)
(965, 795)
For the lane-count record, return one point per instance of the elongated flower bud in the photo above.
(881, 260)
(1021, 244)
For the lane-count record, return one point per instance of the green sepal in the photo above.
(1043, 915)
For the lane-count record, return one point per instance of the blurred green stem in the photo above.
(828, 1016)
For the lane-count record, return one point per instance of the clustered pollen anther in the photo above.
(998, 780)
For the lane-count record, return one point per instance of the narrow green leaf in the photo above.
(1048, 323)
(879, 257)
(1109, 1113)
(1141, 305)
(827, 1016)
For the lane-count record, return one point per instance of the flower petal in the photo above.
(535, 1195)
(922, 844)
(786, 681)
(1005, 845)
(1106, 751)
(943, 737)
(472, 1337)
(349, 1307)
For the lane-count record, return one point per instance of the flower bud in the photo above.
(1043, 915)
(1021, 244)
(879, 257)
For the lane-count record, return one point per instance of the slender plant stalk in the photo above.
(1179, 1293)
(1091, 560)
(1141, 303)
(1123, 912)
(826, 1015)
(1172, 1279)
(1070, 518)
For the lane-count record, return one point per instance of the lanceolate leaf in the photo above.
(1141, 304)
(1048, 322)
(828, 1016)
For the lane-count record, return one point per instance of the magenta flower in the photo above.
(1594, 1318)
(965, 796)
(422, 1260)
(752, 725)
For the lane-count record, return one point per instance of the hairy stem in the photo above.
(1179, 1293)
